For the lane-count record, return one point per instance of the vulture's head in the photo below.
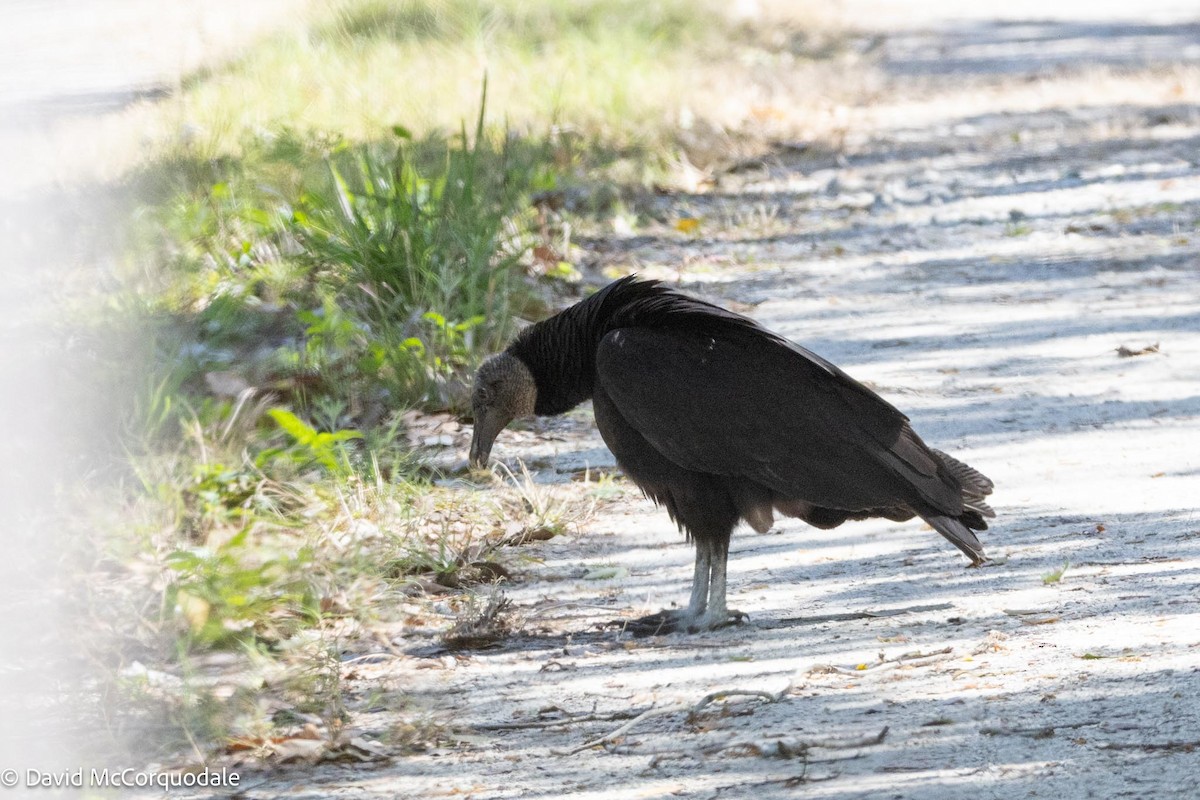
(504, 390)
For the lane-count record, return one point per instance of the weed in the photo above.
(1056, 575)
(546, 512)
(309, 445)
(426, 264)
(236, 592)
(480, 623)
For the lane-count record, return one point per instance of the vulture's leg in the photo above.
(717, 614)
(699, 599)
(669, 620)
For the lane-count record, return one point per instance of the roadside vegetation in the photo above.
(321, 240)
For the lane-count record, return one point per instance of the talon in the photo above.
(707, 623)
(658, 624)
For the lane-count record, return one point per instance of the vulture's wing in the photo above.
(745, 402)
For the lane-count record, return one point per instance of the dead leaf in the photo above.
(1126, 352)
(546, 254)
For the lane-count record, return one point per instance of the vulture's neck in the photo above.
(561, 354)
(560, 351)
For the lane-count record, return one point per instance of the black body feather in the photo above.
(721, 420)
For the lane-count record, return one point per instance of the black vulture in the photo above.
(721, 420)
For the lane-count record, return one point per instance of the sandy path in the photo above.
(978, 264)
(987, 243)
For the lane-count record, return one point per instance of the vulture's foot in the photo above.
(658, 624)
(712, 621)
(679, 620)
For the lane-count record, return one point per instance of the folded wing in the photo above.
(741, 401)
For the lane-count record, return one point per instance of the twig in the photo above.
(373, 657)
(1044, 732)
(645, 715)
(538, 612)
(852, 615)
(674, 708)
(722, 694)
(790, 748)
(1151, 746)
(554, 723)
(915, 659)
(772, 748)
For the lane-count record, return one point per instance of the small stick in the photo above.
(854, 615)
(1151, 746)
(674, 708)
(789, 748)
(554, 723)
(645, 715)
(1042, 732)
(887, 663)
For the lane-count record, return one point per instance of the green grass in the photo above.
(427, 265)
(612, 66)
(1056, 576)
(350, 279)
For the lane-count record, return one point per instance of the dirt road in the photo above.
(1020, 200)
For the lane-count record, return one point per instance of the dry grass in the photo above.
(627, 74)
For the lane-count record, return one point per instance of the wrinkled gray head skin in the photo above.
(504, 390)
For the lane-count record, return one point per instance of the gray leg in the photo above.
(684, 618)
(706, 608)
(699, 600)
(717, 613)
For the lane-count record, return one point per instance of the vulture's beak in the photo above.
(488, 424)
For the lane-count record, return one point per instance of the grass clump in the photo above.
(369, 276)
(428, 266)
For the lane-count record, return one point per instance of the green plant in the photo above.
(239, 592)
(340, 349)
(217, 493)
(1057, 575)
(425, 265)
(309, 446)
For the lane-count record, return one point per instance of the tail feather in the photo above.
(975, 485)
(959, 535)
(980, 507)
(971, 478)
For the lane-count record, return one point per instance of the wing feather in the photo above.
(745, 402)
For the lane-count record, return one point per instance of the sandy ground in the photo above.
(988, 242)
(1022, 199)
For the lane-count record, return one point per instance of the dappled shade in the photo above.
(720, 421)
